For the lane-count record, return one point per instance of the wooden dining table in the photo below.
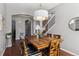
(39, 43)
(43, 43)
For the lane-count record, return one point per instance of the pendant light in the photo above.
(41, 14)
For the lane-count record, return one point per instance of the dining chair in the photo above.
(49, 35)
(57, 36)
(24, 49)
(27, 51)
(54, 47)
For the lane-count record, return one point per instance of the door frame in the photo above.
(13, 31)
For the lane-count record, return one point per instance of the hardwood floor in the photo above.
(14, 51)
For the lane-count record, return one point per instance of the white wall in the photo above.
(21, 8)
(2, 32)
(13, 9)
(20, 25)
(64, 13)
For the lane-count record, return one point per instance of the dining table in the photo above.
(40, 43)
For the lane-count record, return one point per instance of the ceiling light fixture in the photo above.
(40, 15)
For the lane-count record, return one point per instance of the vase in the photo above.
(37, 36)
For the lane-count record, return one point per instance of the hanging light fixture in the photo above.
(40, 14)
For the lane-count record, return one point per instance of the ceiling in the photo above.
(28, 8)
(33, 6)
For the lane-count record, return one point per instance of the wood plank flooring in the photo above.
(14, 51)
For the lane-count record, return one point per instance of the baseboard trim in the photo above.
(69, 52)
(3, 52)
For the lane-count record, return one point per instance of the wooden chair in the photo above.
(54, 47)
(26, 51)
(33, 35)
(57, 36)
(49, 35)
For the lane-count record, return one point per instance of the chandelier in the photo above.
(41, 14)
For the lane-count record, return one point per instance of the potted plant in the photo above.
(8, 35)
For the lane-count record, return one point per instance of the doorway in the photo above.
(28, 28)
(21, 23)
(13, 30)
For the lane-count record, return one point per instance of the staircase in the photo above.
(50, 24)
